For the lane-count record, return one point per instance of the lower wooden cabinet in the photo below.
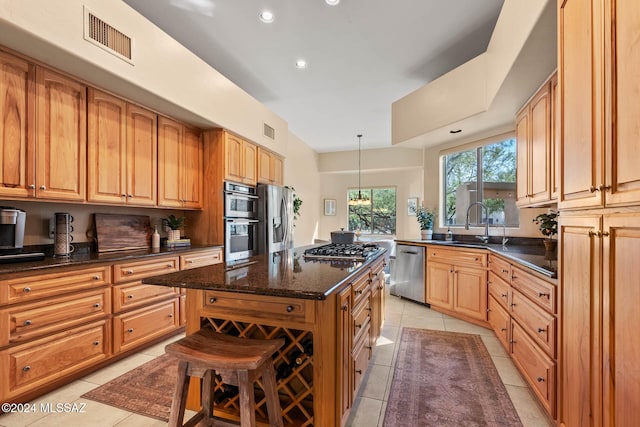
(26, 367)
(499, 320)
(135, 327)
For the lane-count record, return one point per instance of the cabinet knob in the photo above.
(289, 308)
(27, 289)
(123, 195)
(130, 330)
(26, 368)
(504, 270)
(43, 187)
(504, 295)
(358, 325)
(128, 272)
(170, 315)
(130, 296)
(96, 277)
(27, 323)
(169, 265)
(344, 307)
(212, 300)
(96, 305)
(540, 379)
(358, 371)
(503, 329)
(513, 304)
(543, 294)
(189, 261)
(540, 330)
(359, 292)
(131, 196)
(32, 186)
(96, 343)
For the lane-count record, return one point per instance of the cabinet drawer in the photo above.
(538, 323)
(360, 360)
(256, 307)
(200, 259)
(538, 369)
(360, 288)
(136, 327)
(361, 318)
(26, 321)
(135, 294)
(499, 289)
(141, 269)
(457, 256)
(34, 364)
(539, 291)
(499, 320)
(27, 288)
(500, 267)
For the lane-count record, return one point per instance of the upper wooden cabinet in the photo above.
(122, 151)
(17, 109)
(534, 150)
(240, 160)
(180, 165)
(269, 167)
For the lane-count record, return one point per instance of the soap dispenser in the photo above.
(449, 234)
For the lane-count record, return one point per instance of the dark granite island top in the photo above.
(285, 274)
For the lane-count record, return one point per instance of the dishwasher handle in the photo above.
(410, 252)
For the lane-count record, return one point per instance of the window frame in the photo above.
(371, 189)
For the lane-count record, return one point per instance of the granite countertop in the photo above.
(86, 257)
(285, 273)
(532, 256)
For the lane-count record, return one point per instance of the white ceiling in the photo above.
(362, 55)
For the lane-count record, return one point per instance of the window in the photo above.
(377, 218)
(486, 174)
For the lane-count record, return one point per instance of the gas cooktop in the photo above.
(344, 251)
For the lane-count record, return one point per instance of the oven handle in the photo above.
(240, 195)
(242, 221)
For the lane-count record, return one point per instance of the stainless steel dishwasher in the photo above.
(407, 277)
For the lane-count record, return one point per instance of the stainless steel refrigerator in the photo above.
(275, 215)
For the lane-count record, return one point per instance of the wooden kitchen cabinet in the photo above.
(17, 125)
(534, 148)
(457, 282)
(180, 165)
(240, 160)
(136, 327)
(269, 167)
(61, 137)
(122, 152)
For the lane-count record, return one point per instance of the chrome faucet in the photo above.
(485, 238)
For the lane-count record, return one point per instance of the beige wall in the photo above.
(301, 173)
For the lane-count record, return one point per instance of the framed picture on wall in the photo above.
(330, 207)
(412, 206)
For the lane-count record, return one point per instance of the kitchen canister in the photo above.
(62, 246)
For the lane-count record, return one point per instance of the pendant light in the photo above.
(360, 200)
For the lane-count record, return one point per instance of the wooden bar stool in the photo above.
(240, 362)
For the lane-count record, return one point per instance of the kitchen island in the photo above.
(329, 313)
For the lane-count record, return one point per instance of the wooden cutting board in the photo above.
(115, 232)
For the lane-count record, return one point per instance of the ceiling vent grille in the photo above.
(269, 132)
(107, 37)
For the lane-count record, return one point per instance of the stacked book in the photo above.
(178, 243)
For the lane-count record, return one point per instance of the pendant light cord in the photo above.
(359, 168)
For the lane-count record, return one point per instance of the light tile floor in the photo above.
(370, 403)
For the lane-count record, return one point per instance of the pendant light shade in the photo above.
(360, 199)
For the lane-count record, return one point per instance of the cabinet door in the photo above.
(581, 99)
(61, 137)
(623, 175)
(250, 163)
(142, 156)
(580, 355)
(621, 293)
(499, 320)
(191, 169)
(554, 163)
(344, 352)
(276, 170)
(106, 148)
(233, 164)
(539, 174)
(522, 157)
(17, 114)
(440, 285)
(470, 292)
(169, 140)
(264, 166)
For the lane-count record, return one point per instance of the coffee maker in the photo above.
(12, 222)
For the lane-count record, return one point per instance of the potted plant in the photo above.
(548, 225)
(174, 223)
(425, 218)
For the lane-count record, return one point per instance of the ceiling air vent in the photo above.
(269, 132)
(103, 35)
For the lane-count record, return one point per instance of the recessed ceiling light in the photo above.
(332, 2)
(266, 16)
(301, 64)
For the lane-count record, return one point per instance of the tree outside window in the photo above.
(485, 174)
(377, 218)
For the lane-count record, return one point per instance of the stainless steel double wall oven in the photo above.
(241, 221)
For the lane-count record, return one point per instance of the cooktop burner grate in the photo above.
(346, 251)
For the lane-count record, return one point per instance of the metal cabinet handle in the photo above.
(504, 270)
(540, 379)
(170, 315)
(212, 300)
(123, 195)
(96, 305)
(358, 325)
(543, 294)
(542, 330)
(359, 292)
(131, 196)
(26, 368)
(96, 277)
(289, 308)
(503, 329)
(130, 296)
(96, 343)
(27, 323)
(189, 261)
(130, 330)
(358, 371)
(32, 186)
(504, 295)
(27, 289)
(344, 307)
(43, 187)
(169, 265)
(128, 272)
